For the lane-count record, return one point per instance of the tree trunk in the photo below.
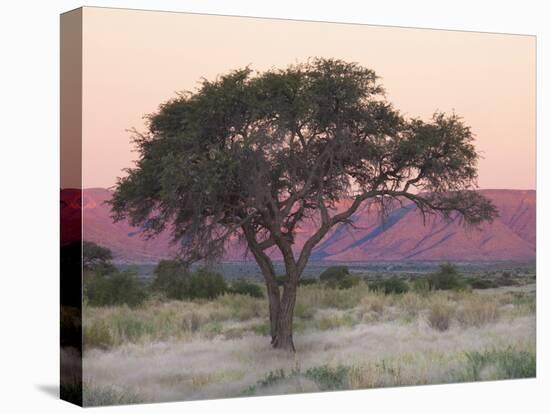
(274, 307)
(283, 328)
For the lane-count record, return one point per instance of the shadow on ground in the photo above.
(49, 389)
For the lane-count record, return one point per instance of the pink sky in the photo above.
(135, 60)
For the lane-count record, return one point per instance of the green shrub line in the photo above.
(243, 287)
(114, 288)
(105, 285)
(339, 277)
(175, 281)
(389, 286)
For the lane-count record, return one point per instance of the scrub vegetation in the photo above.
(382, 330)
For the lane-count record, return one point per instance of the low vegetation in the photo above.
(393, 285)
(243, 287)
(113, 288)
(211, 342)
(501, 364)
(440, 315)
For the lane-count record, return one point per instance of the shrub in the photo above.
(307, 281)
(421, 285)
(339, 277)
(242, 287)
(480, 283)
(388, 286)
(171, 279)
(334, 274)
(446, 278)
(205, 284)
(175, 281)
(117, 288)
(348, 282)
(439, 316)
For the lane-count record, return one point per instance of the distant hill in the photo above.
(402, 237)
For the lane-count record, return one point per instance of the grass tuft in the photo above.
(506, 364)
(439, 316)
(478, 311)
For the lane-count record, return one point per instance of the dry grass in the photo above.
(412, 303)
(344, 339)
(478, 311)
(318, 296)
(158, 321)
(381, 354)
(334, 319)
(440, 315)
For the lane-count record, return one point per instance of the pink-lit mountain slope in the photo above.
(402, 237)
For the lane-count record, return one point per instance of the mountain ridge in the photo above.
(403, 236)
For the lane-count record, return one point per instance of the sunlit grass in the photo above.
(345, 339)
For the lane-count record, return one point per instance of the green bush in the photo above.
(243, 287)
(421, 285)
(205, 284)
(339, 277)
(393, 285)
(171, 279)
(175, 281)
(117, 288)
(479, 283)
(349, 281)
(307, 281)
(334, 274)
(446, 278)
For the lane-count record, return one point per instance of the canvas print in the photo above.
(255, 207)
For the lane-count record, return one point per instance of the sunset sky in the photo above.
(135, 60)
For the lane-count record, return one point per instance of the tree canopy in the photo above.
(253, 155)
(94, 255)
